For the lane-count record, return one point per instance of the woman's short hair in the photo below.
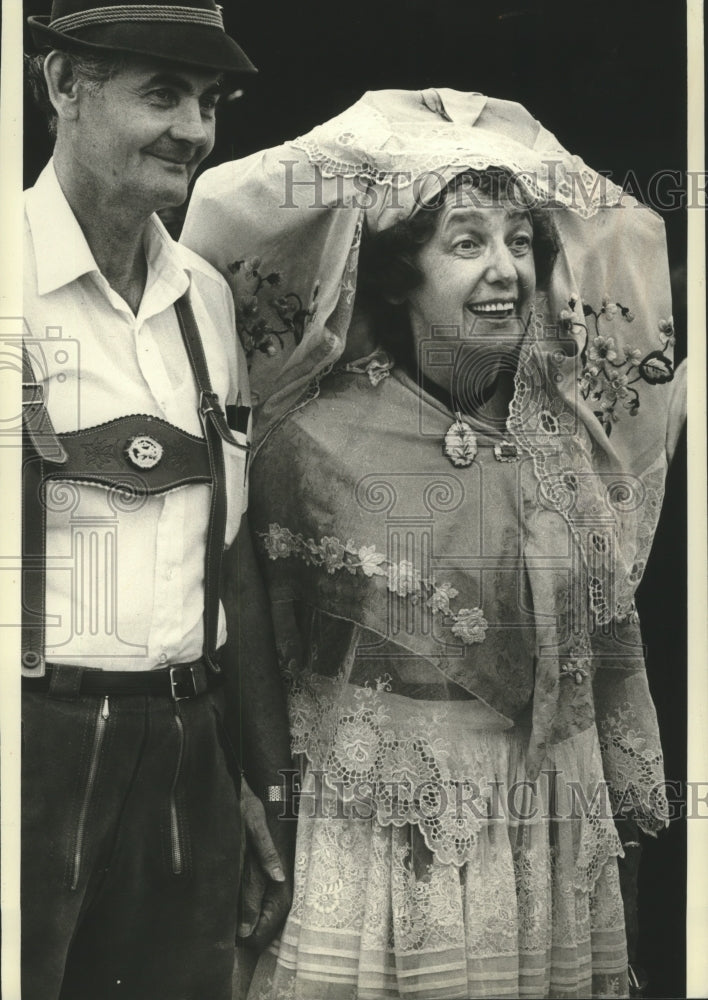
(92, 71)
(387, 259)
(388, 269)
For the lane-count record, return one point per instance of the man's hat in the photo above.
(190, 32)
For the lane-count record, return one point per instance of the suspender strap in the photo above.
(216, 431)
(35, 417)
(33, 554)
(39, 444)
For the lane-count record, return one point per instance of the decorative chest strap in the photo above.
(140, 453)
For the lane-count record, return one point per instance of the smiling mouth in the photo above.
(175, 161)
(501, 308)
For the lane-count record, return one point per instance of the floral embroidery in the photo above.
(332, 552)
(575, 671)
(256, 332)
(378, 370)
(370, 560)
(376, 366)
(608, 375)
(602, 349)
(656, 368)
(470, 625)
(666, 329)
(548, 422)
(440, 601)
(402, 578)
(577, 666)
(407, 764)
(359, 744)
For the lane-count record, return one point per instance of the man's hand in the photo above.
(267, 889)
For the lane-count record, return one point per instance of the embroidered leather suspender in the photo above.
(123, 455)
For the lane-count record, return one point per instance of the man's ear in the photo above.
(63, 85)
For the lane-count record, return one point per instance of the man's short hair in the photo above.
(92, 71)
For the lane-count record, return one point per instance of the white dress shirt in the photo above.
(125, 580)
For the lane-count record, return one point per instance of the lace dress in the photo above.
(426, 624)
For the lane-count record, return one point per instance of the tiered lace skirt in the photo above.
(512, 890)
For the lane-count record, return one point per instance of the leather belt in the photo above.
(179, 682)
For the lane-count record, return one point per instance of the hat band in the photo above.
(138, 12)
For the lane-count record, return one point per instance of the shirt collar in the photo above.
(62, 253)
(165, 264)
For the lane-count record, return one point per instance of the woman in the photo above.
(457, 480)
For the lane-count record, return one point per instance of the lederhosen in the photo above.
(145, 456)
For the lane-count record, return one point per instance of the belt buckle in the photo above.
(176, 683)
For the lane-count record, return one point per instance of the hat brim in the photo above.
(202, 47)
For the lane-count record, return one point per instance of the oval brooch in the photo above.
(460, 443)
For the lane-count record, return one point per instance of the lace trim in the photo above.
(369, 910)
(360, 143)
(442, 769)
(547, 428)
(636, 776)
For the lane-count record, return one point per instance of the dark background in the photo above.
(609, 79)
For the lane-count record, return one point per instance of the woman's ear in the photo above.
(401, 273)
(63, 85)
(361, 337)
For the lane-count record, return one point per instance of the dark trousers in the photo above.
(131, 848)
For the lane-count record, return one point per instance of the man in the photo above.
(136, 424)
